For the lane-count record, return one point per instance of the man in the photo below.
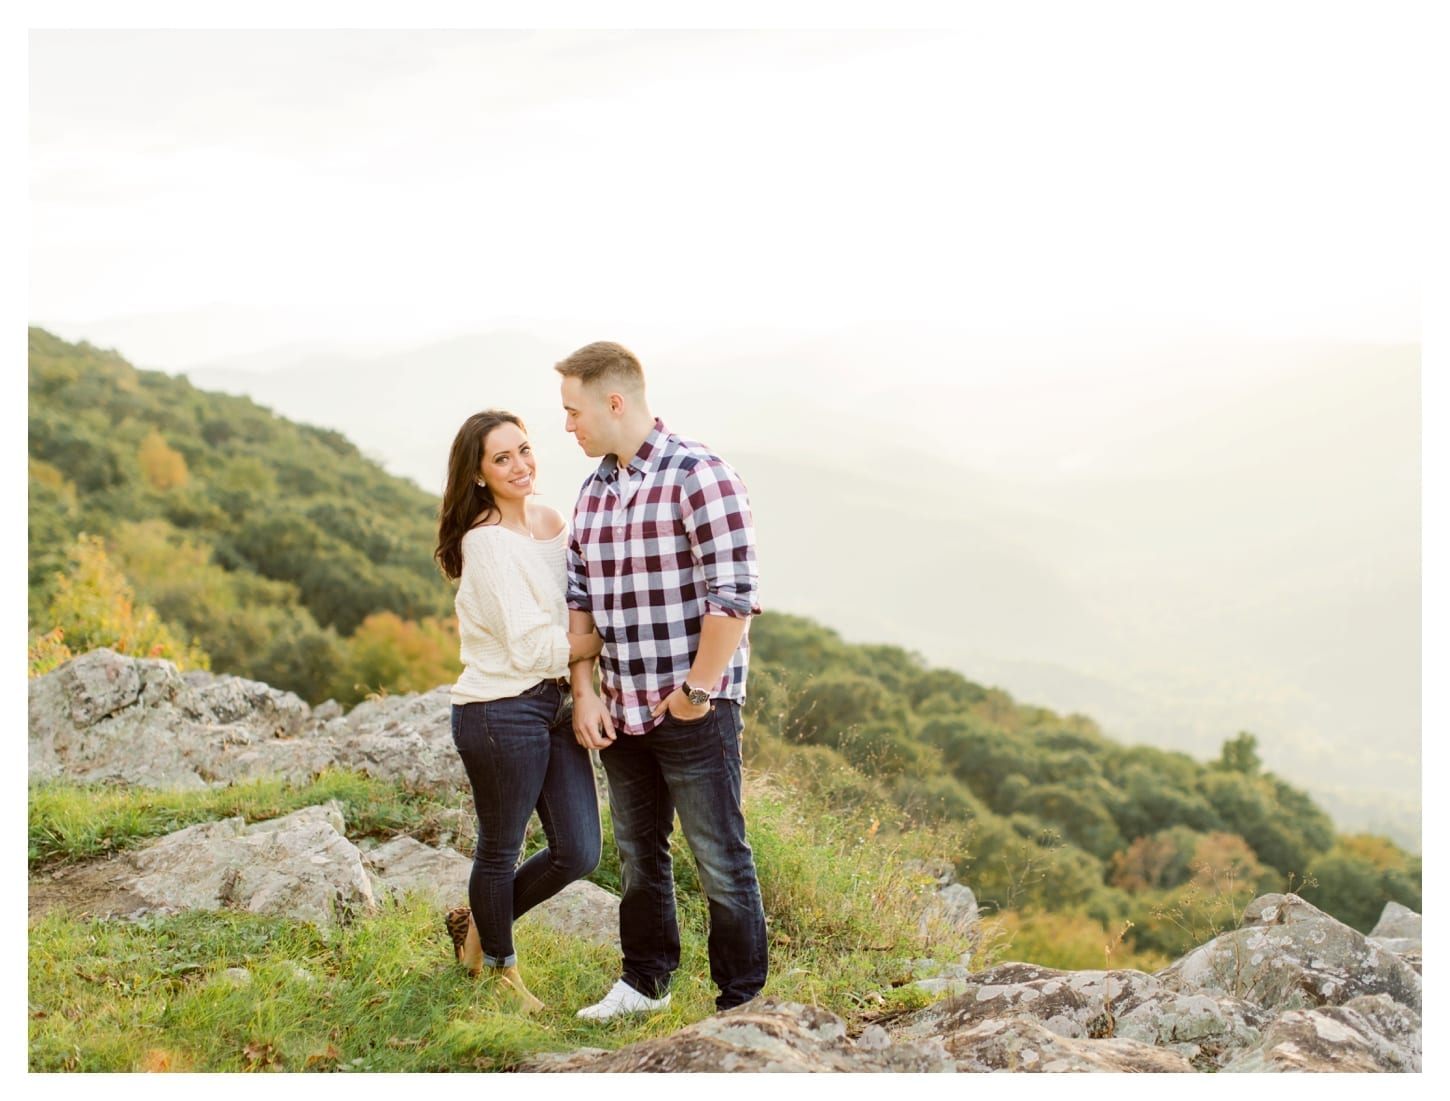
(662, 562)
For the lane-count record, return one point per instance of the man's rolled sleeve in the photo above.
(716, 517)
(576, 594)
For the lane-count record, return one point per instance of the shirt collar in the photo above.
(645, 459)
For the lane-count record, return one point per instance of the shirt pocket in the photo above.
(657, 545)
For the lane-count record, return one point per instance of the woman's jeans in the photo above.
(521, 756)
(692, 767)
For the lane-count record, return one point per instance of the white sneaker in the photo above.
(623, 998)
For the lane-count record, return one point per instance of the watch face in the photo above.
(697, 696)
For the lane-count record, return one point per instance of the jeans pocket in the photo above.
(565, 711)
(686, 724)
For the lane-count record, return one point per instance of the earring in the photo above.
(480, 484)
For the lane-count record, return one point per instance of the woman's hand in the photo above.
(593, 728)
(584, 647)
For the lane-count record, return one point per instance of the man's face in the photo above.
(587, 415)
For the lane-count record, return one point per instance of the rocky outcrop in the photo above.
(1021, 1018)
(772, 1035)
(1014, 1017)
(583, 911)
(1370, 1033)
(405, 865)
(1291, 990)
(303, 866)
(1024, 1045)
(951, 909)
(1289, 954)
(102, 717)
(764, 1035)
(1398, 931)
(300, 865)
(1082, 1005)
(1398, 923)
(407, 739)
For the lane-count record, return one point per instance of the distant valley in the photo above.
(1236, 550)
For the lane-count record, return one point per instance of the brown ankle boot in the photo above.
(471, 954)
(510, 977)
(456, 921)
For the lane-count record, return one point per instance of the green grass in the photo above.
(384, 993)
(381, 995)
(70, 822)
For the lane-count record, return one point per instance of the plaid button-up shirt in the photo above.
(657, 545)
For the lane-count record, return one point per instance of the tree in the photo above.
(951, 690)
(94, 606)
(1361, 873)
(1225, 858)
(1284, 828)
(161, 466)
(53, 516)
(390, 654)
(1163, 860)
(1241, 754)
(831, 705)
(1153, 798)
(1083, 819)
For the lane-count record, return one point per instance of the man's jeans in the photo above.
(692, 767)
(520, 756)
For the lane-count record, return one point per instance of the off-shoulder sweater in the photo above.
(513, 625)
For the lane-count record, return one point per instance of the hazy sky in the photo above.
(1245, 168)
(1255, 168)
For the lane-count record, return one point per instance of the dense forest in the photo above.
(169, 521)
(265, 548)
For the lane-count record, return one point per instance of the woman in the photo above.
(512, 713)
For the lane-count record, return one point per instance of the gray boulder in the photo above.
(103, 717)
(1024, 1045)
(939, 978)
(1208, 1030)
(1398, 931)
(405, 865)
(1289, 954)
(763, 1035)
(1082, 1005)
(1397, 922)
(582, 910)
(950, 911)
(99, 684)
(1365, 1034)
(299, 865)
(407, 739)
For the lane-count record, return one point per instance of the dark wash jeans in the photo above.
(692, 767)
(521, 756)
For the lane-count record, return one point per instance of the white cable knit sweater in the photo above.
(513, 625)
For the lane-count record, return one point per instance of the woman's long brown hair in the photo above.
(463, 498)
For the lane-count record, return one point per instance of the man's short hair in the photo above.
(604, 362)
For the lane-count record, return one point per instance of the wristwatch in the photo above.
(698, 697)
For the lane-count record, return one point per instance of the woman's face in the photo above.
(508, 463)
